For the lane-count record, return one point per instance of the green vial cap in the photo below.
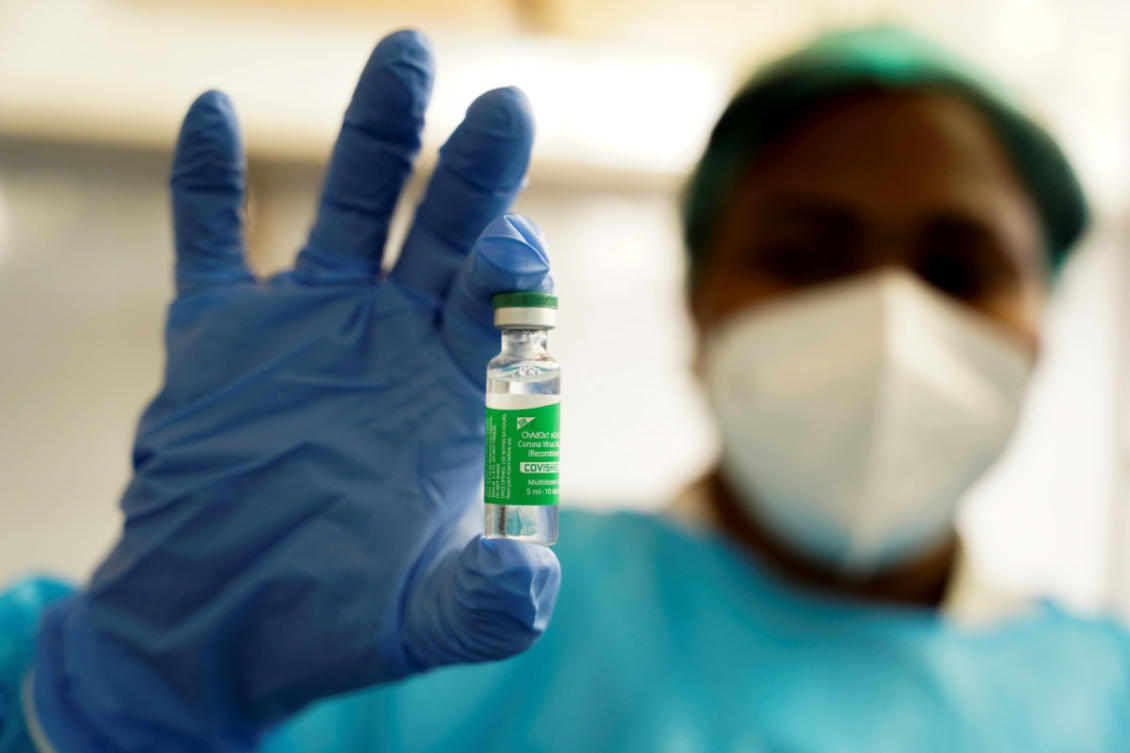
(524, 300)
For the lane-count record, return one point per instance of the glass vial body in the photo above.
(523, 396)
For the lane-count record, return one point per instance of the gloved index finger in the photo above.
(509, 255)
(371, 161)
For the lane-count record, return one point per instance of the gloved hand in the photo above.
(296, 522)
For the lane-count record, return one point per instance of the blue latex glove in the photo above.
(295, 524)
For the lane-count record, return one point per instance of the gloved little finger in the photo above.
(207, 185)
(489, 601)
(509, 255)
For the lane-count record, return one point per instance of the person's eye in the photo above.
(966, 263)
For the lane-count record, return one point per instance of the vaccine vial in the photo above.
(523, 437)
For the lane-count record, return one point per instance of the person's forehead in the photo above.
(893, 153)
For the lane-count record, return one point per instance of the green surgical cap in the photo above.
(885, 58)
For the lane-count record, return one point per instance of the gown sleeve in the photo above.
(21, 605)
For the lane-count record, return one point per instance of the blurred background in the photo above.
(625, 92)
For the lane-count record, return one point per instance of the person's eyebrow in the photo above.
(805, 211)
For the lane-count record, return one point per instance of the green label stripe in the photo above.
(522, 452)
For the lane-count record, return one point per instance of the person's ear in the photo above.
(695, 313)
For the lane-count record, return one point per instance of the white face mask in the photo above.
(853, 417)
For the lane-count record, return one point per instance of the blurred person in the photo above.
(872, 234)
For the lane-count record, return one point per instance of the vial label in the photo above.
(523, 447)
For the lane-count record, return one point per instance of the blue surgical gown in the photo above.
(669, 641)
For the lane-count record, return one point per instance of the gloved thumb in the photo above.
(489, 601)
(508, 256)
